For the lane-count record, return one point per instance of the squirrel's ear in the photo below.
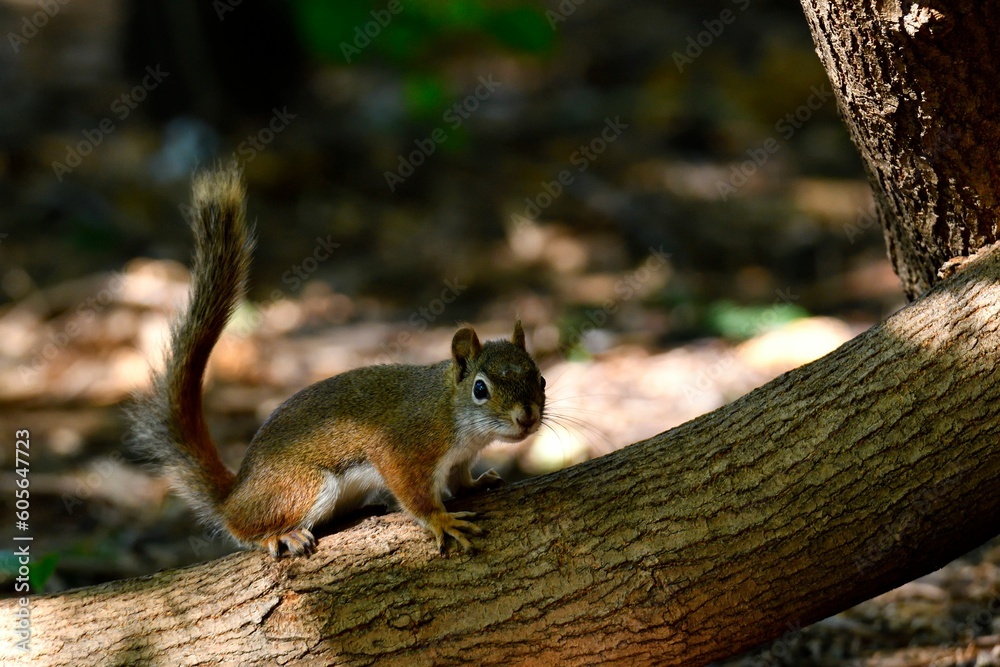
(465, 347)
(518, 336)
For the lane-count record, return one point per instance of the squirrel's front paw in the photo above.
(490, 479)
(298, 542)
(450, 524)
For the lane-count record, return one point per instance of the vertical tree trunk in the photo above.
(917, 87)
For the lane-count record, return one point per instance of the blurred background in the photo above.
(663, 192)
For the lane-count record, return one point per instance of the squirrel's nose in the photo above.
(527, 418)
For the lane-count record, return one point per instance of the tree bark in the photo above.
(916, 84)
(832, 483)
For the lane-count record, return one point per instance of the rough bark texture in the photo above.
(832, 483)
(917, 87)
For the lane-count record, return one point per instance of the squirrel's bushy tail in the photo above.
(168, 425)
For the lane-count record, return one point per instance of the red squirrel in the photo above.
(413, 430)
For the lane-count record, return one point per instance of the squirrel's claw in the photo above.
(298, 542)
(490, 479)
(451, 524)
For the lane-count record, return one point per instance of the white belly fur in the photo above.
(344, 492)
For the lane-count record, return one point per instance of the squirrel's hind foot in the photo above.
(297, 542)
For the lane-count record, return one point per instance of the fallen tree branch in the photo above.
(830, 484)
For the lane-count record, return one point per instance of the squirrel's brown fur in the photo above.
(413, 430)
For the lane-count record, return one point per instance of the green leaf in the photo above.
(42, 570)
(523, 28)
(731, 320)
(425, 96)
(323, 25)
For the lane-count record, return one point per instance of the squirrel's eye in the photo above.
(541, 381)
(480, 391)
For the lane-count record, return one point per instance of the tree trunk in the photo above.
(832, 483)
(917, 88)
